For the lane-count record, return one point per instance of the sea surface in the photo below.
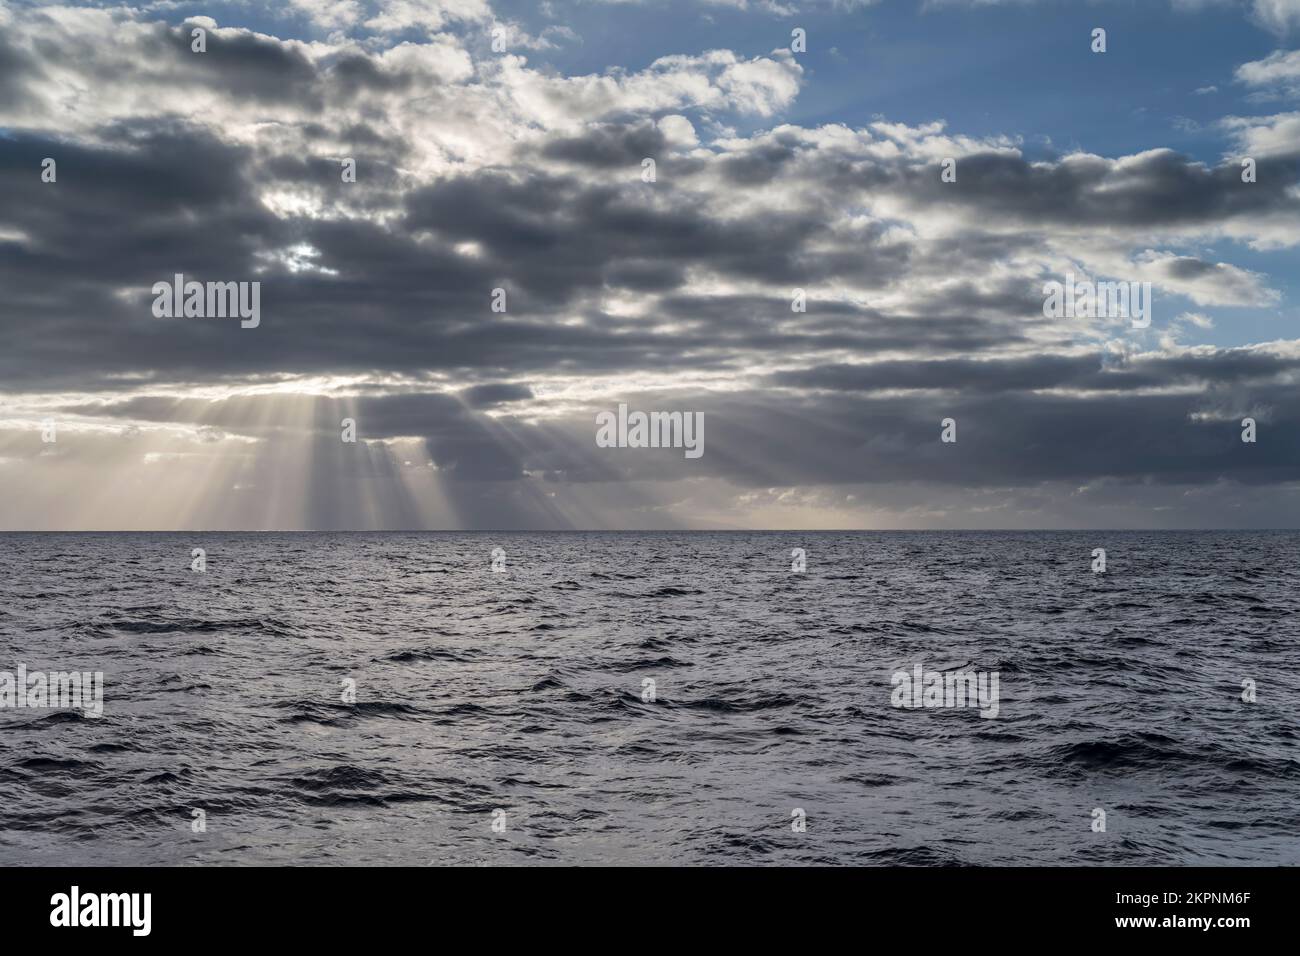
(523, 691)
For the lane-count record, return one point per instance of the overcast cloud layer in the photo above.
(480, 169)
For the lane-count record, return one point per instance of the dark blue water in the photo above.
(522, 691)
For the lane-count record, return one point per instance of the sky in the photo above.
(855, 212)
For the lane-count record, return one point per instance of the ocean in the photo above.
(654, 698)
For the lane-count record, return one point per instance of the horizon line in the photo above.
(1075, 530)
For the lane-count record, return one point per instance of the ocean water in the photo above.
(522, 691)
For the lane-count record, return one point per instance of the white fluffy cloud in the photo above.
(1262, 136)
(1278, 72)
(1278, 15)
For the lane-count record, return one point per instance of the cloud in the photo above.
(1024, 425)
(1281, 16)
(1274, 137)
(921, 299)
(430, 16)
(1281, 68)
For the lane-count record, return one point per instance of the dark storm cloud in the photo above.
(761, 163)
(559, 232)
(769, 324)
(609, 146)
(1159, 188)
(356, 73)
(266, 71)
(17, 69)
(391, 279)
(399, 296)
(1188, 268)
(377, 174)
(645, 275)
(395, 297)
(1088, 372)
(250, 67)
(395, 302)
(148, 204)
(243, 64)
(757, 439)
(378, 416)
(270, 78)
(495, 393)
(1111, 424)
